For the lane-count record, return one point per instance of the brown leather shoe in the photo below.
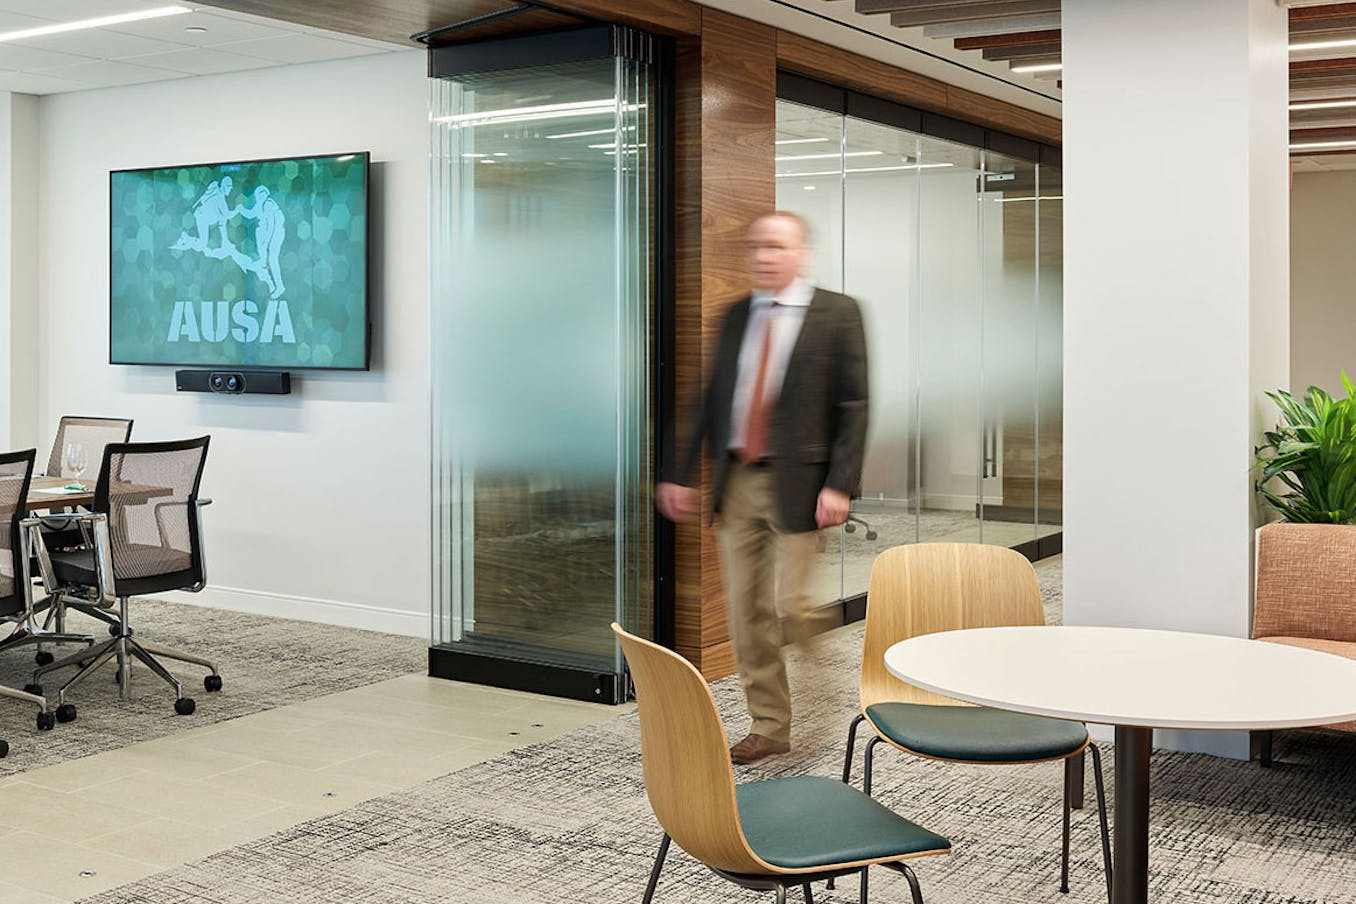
(754, 747)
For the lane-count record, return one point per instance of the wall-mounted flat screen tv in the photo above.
(254, 264)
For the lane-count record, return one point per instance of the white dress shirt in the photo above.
(787, 317)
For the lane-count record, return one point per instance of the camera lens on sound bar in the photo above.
(227, 382)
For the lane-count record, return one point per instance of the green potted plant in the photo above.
(1307, 464)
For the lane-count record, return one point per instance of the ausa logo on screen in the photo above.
(215, 321)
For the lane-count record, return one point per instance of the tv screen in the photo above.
(256, 264)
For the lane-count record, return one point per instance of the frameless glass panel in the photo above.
(810, 183)
(1050, 353)
(1009, 429)
(949, 450)
(880, 263)
(541, 259)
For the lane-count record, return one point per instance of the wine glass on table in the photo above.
(76, 461)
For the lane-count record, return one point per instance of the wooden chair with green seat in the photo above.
(928, 587)
(770, 835)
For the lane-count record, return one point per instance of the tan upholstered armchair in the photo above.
(1306, 592)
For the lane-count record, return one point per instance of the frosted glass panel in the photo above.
(542, 249)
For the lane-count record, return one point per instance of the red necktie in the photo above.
(755, 426)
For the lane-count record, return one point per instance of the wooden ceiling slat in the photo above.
(1021, 39)
(1021, 53)
(946, 13)
(1330, 11)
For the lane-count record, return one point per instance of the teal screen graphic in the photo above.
(258, 264)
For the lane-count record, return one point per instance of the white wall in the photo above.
(18, 271)
(321, 497)
(1322, 280)
(1175, 306)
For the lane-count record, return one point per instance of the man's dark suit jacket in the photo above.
(817, 430)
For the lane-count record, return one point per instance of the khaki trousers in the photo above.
(767, 574)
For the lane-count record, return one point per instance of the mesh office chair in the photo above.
(16, 601)
(147, 534)
(94, 434)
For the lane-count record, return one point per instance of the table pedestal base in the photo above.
(1130, 873)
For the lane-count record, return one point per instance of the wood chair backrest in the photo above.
(686, 759)
(924, 588)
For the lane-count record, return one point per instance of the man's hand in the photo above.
(832, 508)
(679, 504)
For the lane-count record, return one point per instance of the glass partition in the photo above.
(543, 256)
(954, 254)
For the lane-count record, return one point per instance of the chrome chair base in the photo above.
(122, 648)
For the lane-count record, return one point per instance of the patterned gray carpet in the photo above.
(264, 662)
(568, 821)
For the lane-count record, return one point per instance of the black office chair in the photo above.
(16, 588)
(94, 433)
(147, 531)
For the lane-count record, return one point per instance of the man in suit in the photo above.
(784, 417)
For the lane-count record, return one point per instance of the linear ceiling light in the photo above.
(1028, 198)
(1322, 145)
(1323, 45)
(863, 169)
(532, 114)
(59, 27)
(831, 156)
(590, 133)
(1040, 67)
(1323, 105)
(800, 140)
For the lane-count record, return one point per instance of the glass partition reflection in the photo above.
(954, 254)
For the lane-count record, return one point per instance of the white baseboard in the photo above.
(329, 612)
(1232, 745)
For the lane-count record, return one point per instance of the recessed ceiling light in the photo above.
(196, 29)
(810, 187)
(1041, 67)
(102, 21)
(1322, 145)
(1323, 45)
(1323, 105)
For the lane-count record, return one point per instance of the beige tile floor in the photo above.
(91, 824)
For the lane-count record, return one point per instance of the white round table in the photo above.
(1136, 680)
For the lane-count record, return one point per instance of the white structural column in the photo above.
(19, 271)
(1176, 300)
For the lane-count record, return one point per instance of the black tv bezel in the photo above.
(246, 368)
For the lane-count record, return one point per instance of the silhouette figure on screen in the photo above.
(209, 210)
(268, 237)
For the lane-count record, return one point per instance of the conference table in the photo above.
(1136, 680)
(50, 492)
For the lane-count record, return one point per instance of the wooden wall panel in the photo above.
(738, 77)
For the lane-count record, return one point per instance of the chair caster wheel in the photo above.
(184, 706)
(44, 658)
(112, 630)
(33, 689)
(870, 535)
(4, 749)
(65, 713)
(46, 721)
(850, 527)
(212, 683)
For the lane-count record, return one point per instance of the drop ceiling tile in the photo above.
(111, 72)
(30, 59)
(299, 48)
(28, 83)
(200, 61)
(13, 22)
(220, 29)
(74, 10)
(100, 44)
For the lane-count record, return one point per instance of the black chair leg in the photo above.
(781, 894)
(866, 765)
(1076, 794)
(654, 871)
(852, 741)
(862, 898)
(1264, 748)
(809, 896)
(1101, 815)
(914, 890)
(1070, 765)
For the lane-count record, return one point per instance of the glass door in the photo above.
(543, 296)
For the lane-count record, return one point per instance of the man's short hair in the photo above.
(804, 224)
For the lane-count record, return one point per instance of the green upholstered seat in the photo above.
(812, 821)
(976, 733)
